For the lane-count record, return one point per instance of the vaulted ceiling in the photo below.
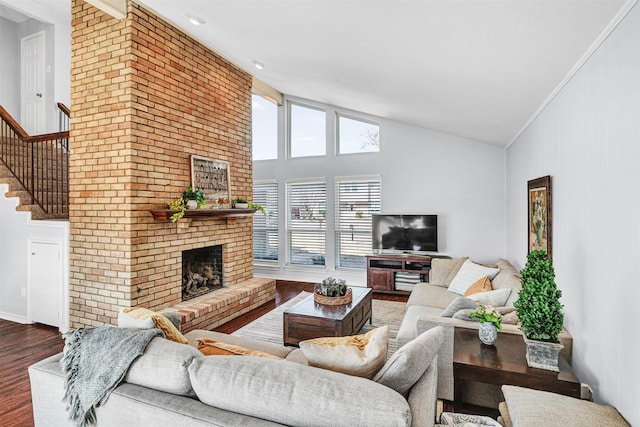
(480, 69)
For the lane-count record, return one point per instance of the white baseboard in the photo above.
(14, 318)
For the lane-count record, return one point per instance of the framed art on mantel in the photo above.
(211, 176)
(539, 224)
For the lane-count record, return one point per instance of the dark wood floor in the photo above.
(24, 345)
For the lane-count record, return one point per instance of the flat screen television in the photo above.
(405, 233)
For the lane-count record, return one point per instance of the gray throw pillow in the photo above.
(458, 304)
(407, 365)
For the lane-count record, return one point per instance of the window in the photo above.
(306, 222)
(307, 131)
(265, 227)
(357, 136)
(356, 201)
(264, 127)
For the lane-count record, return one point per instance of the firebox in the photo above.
(201, 271)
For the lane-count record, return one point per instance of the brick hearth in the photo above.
(144, 97)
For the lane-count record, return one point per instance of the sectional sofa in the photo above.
(174, 384)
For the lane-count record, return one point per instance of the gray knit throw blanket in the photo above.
(95, 361)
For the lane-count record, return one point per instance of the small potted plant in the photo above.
(257, 208)
(333, 291)
(194, 199)
(540, 312)
(239, 203)
(490, 323)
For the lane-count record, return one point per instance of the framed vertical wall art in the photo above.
(539, 223)
(212, 177)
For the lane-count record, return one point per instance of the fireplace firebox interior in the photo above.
(201, 271)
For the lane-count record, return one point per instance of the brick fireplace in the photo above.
(144, 97)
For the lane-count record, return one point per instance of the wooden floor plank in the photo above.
(24, 345)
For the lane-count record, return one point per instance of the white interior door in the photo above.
(32, 114)
(45, 282)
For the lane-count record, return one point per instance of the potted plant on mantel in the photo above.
(191, 199)
(540, 312)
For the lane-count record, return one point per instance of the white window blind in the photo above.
(265, 227)
(306, 222)
(356, 201)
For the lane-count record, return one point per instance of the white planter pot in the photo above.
(542, 354)
(192, 204)
(242, 205)
(488, 333)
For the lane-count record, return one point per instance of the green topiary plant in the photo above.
(538, 306)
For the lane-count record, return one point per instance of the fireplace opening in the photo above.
(201, 271)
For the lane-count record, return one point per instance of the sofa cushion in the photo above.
(359, 355)
(293, 394)
(164, 366)
(127, 315)
(442, 268)
(507, 278)
(408, 363)
(458, 304)
(407, 330)
(495, 298)
(425, 294)
(469, 273)
(481, 285)
(215, 348)
(529, 407)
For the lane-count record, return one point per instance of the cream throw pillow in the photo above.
(128, 315)
(469, 273)
(358, 355)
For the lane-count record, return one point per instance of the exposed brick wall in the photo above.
(144, 96)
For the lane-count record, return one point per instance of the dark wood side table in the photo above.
(504, 363)
(308, 319)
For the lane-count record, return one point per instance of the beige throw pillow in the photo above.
(358, 355)
(159, 321)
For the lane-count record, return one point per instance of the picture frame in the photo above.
(212, 176)
(539, 224)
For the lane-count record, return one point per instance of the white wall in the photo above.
(16, 230)
(58, 44)
(9, 72)
(422, 171)
(588, 140)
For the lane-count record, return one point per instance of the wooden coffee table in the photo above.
(308, 319)
(504, 363)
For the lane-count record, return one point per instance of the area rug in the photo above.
(269, 327)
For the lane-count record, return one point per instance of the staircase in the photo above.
(36, 169)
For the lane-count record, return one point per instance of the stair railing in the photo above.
(40, 163)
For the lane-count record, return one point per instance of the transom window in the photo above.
(357, 135)
(264, 128)
(307, 131)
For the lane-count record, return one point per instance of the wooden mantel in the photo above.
(165, 214)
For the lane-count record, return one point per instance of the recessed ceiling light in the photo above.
(195, 20)
(259, 65)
